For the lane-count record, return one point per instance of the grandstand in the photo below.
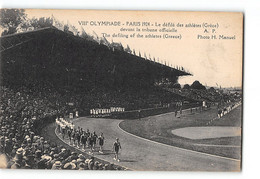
(48, 73)
(87, 73)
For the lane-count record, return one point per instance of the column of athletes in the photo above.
(85, 139)
(79, 137)
(102, 112)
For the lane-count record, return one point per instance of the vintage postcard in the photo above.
(121, 90)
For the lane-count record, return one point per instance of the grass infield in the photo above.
(158, 128)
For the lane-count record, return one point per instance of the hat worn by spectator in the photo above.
(73, 153)
(46, 157)
(52, 153)
(81, 158)
(19, 151)
(70, 166)
(55, 156)
(82, 166)
(74, 161)
(106, 166)
(100, 166)
(38, 153)
(56, 165)
(16, 146)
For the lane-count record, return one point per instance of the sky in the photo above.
(214, 62)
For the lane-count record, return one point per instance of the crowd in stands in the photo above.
(21, 147)
(225, 108)
(101, 102)
(197, 94)
(225, 101)
(211, 95)
(87, 79)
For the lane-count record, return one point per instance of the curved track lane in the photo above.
(141, 154)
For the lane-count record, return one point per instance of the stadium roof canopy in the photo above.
(13, 40)
(49, 55)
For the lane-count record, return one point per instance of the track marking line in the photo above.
(212, 145)
(187, 150)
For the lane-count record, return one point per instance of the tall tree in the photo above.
(186, 86)
(11, 19)
(41, 22)
(197, 85)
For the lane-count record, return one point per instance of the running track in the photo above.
(141, 154)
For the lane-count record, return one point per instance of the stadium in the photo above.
(57, 87)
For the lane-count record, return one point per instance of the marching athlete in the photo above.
(84, 140)
(69, 131)
(91, 143)
(219, 113)
(94, 138)
(101, 140)
(116, 148)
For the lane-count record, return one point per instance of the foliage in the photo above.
(176, 86)
(186, 86)
(41, 22)
(197, 85)
(11, 19)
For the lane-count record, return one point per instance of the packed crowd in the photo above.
(20, 145)
(208, 95)
(100, 101)
(225, 101)
(225, 108)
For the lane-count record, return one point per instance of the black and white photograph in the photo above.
(121, 90)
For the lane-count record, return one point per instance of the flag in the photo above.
(56, 23)
(96, 37)
(85, 35)
(105, 42)
(72, 28)
(121, 47)
(145, 56)
(117, 46)
(127, 49)
(134, 52)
